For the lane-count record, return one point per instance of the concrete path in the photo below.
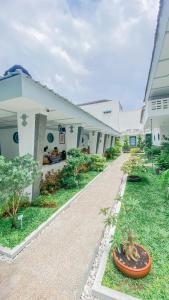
(55, 266)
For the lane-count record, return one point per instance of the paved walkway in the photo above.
(55, 266)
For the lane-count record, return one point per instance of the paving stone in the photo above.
(56, 265)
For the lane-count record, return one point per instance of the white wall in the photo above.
(130, 121)
(8, 147)
(98, 110)
(55, 142)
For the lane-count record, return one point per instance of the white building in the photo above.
(155, 115)
(111, 113)
(33, 116)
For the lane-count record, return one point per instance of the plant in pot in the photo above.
(129, 257)
(132, 168)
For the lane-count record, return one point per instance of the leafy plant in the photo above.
(126, 246)
(110, 153)
(15, 176)
(162, 161)
(75, 152)
(97, 162)
(126, 146)
(133, 166)
(135, 151)
(140, 142)
(50, 183)
(45, 202)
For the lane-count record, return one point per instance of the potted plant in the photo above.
(132, 167)
(129, 257)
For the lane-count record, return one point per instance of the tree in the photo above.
(15, 176)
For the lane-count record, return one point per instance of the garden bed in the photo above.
(147, 214)
(33, 217)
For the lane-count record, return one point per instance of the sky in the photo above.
(85, 50)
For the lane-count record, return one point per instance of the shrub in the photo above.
(75, 152)
(162, 161)
(97, 162)
(135, 151)
(50, 183)
(118, 146)
(15, 176)
(46, 202)
(126, 146)
(140, 142)
(110, 153)
(70, 175)
(133, 166)
(152, 152)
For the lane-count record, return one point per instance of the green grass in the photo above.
(148, 216)
(34, 216)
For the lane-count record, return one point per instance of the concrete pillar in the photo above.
(92, 141)
(100, 143)
(31, 131)
(71, 136)
(108, 141)
(112, 141)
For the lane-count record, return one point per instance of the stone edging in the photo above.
(8, 253)
(98, 290)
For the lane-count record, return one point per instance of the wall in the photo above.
(8, 147)
(55, 142)
(98, 110)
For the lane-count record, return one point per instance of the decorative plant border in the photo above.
(98, 290)
(8, 253)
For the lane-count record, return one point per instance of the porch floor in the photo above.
(56, 264)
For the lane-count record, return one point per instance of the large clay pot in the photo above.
(132, 272)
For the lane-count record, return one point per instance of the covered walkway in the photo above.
(56, 264)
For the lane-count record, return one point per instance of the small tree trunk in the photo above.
(14, 222)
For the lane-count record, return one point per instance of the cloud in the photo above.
(85, 50)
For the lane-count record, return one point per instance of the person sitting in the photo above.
(55, 152)
(45, 156)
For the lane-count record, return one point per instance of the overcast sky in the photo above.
(84, 49)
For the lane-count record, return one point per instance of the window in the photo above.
(133, 141)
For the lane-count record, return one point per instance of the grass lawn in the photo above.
(148, 216)
(34, 216)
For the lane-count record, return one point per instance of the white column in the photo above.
(108, 142)
(71, 136)
(93, 142)
(100, 144)
(31, 132)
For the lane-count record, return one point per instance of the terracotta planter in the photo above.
(132, 178)
(132, 272)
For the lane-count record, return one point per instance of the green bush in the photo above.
(50, 183)
(15, 176)
(135, 151)
(75, 152)
(140, 142)
(110, 153)
(162, 161)
(126, 146)
(70, 175)
(97, 162)
(45, 202)
(133, 166)
(152, 152)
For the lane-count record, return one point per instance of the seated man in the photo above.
(55, 152)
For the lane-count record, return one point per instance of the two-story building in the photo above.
(155, 115)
